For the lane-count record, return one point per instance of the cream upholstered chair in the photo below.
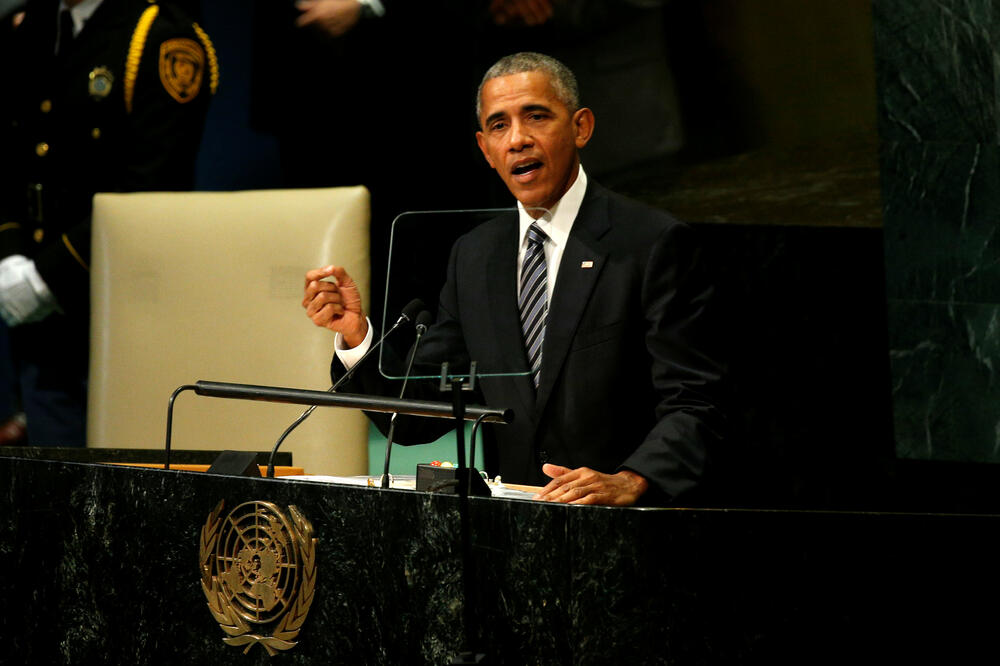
(208, 285)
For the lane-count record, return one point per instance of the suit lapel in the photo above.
(502, 266)
(574, 285)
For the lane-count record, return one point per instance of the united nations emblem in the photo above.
(182, 66)
(258, 573)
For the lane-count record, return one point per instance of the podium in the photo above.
(101, 564)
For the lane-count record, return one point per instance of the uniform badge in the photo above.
(100, 82)
(258, 573)
(182, 66)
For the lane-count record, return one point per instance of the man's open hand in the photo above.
(586, 486)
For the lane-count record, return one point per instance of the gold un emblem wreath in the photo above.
(258, 572)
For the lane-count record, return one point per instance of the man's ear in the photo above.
(481, 140)
(583, 125)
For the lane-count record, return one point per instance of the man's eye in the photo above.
(498, 126)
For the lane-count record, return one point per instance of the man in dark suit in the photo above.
(600, 299)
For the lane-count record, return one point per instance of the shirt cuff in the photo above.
(374, 8)
(350, 356)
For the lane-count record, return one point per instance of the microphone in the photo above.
(423, 321)
(409, 312)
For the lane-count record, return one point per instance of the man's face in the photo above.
(531, 138)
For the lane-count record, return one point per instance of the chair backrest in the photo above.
(208, 285)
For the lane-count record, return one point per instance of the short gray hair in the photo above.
(560, 76)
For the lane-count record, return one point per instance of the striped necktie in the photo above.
(532, 301)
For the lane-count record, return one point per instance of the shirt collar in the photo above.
(557, 222)
(81, 13)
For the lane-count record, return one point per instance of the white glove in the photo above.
(24, 296)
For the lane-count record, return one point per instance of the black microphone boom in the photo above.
(442, 410)
(370, 403)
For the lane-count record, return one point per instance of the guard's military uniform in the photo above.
(120, 108)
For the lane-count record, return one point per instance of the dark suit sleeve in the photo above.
(685, 365)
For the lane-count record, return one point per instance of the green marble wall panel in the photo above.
(938, 65)
(942, 204)
(946, 396)
(936, 68)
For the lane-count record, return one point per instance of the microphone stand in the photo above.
(472, 442)
(423, 320)
(461, 413)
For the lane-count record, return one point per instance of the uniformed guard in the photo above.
(99, 96)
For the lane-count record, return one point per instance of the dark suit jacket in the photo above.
(629, 378)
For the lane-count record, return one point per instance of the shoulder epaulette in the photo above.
(135, 49)
(213, 59)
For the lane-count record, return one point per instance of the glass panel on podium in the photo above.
(419, 251)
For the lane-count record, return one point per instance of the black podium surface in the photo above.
(101, 564)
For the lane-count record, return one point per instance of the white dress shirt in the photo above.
(556, 223)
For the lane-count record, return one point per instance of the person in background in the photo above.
(107, 96)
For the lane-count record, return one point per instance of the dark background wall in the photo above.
(772, 73)
(234, 156)
(777, 72)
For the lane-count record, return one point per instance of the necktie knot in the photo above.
(536, 235)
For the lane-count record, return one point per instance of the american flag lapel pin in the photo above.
(587, 264)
